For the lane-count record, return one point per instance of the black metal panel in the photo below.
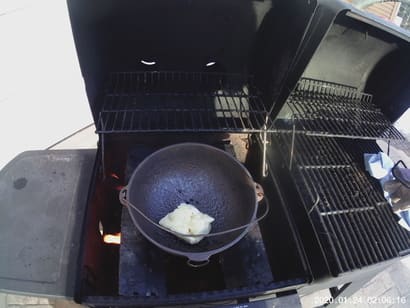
(389, 82)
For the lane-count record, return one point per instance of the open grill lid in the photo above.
(240, 37)
(349, 79)
(206, 36)
(346, 46)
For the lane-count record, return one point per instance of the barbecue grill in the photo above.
(257, 79)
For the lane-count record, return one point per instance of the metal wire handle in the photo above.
(260, 196)
(195, 264)
(395, 173)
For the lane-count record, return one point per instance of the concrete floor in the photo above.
(42, 93)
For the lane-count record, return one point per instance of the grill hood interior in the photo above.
(345, 46)
(244, 36)
(275, 41)
(357, 54)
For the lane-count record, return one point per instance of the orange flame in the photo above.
(112, 238)
(113, 175)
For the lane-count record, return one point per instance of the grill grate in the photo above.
(353, 220)
(326, 109)
(181, 101)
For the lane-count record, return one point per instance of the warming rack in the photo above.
(182, 102)
(165, 101)
(322, 108)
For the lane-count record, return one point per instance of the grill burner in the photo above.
(145, 270)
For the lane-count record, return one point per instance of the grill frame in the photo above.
(88, 298)
(347, 213)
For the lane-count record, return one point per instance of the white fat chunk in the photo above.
(187, 219)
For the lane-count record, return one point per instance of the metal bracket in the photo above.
(292, 147)
(264, 138)
(103, 155)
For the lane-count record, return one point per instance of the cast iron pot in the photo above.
(204, 176)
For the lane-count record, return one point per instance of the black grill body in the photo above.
(304, 81)
(297, 90)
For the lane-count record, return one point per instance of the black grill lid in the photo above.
(347, 46)
(178, 35)
(247, 37)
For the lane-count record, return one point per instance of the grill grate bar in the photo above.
(325, 109)
(359, 214)
(328, 230)
(350, 215)
(335, 202)
(386, 220)
(365, 197)
(337, 223)
(324, 166)
(375, 253)
(352, 183)
(347, 211)
(338, 92)
(402, 236)
(370, 189)
(181, 101)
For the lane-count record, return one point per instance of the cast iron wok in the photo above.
(204, 176)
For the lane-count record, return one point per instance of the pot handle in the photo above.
(197, 264)
(259, 193)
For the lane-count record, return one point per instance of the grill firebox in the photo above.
(138, 273)
(352, 221)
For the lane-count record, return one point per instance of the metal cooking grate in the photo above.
(181, 101)
(354, 222)
(327, 109)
